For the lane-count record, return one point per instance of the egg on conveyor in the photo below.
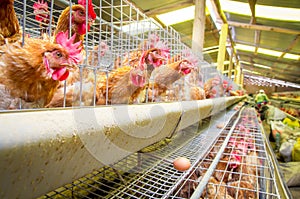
(181, 164)
(220, 125)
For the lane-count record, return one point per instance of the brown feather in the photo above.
(63, 22)
(9, 24)
(120, 87)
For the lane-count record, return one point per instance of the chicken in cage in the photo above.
(112, 54)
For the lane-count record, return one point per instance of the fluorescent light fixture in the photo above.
(262, 66)
(177, 16)
(245, 47)
(213, 14)
(138, 27)
(266, 51)
(263, 11)
(250, 71)
(269, 52)
(274, 81)
(291, 56)
(256, 65)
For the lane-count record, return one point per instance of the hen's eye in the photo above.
(81, 13)
(58, 54)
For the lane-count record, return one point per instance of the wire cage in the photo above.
(118, 37)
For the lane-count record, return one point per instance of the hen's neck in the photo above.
(9, 24)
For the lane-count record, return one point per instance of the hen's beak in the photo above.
(69, 66)
(186, 67)
(138, 77)
(90, 22)
(157, 56)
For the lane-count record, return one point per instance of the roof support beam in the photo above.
(275, 70)
(252, 8)
(291, 46)
(263, 28)
(290, 64)
(257, 40)
(271, 74)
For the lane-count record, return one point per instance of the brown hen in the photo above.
(32, 72)
(166, 75)
(241, 190)
(78, 20)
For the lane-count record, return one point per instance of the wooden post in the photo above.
(222, 47)
(199, 27)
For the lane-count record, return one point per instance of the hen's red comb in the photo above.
(91, 11)
(74, 49)
(40, 15)
(164, 49)
(153, 40)
(40, 4)
(192, 58)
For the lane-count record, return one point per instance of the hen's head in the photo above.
(154, 57)
(235, 160)
(60, 58)
(79, 16)
(40, 10)
(189, 63)
(185, 67)
(150, 59)
(150, 42)
(138, 77)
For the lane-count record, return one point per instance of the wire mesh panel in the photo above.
(120, 49)
(113, 35)
(244, 169)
